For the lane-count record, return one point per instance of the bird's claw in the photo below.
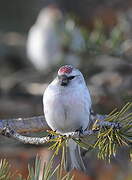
(80, 131)
(50, 136)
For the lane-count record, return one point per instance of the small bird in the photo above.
(67, 105)
(54, 40)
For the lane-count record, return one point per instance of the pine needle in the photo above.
(5, 170)
(109, 139)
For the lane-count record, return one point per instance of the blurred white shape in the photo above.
(43, 43)
(52, 41)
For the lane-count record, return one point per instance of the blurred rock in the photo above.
(126, 48)
(109, 81)
(111, 85)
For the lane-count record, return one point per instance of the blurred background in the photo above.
(37, 37)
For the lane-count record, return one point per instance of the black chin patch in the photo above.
(64, 83)
(63, 80)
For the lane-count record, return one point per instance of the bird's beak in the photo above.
(63, 79)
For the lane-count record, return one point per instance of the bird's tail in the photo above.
(73, 156)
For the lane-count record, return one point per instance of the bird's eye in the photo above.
(71, 77)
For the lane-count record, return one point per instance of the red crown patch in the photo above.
(65, 69)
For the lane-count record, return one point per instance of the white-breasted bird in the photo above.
(67, 105)
(54, 40)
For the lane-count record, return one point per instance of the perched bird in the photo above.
(43, 43)
(67, 105)
(54, 40)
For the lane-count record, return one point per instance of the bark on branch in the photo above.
(10, 132)
(24, 125)
(34, 124)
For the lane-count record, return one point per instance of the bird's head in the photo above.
(68, 75)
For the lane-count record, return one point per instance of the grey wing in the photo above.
(88, 104)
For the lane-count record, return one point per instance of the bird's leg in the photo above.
(51, 136)
(80, 131)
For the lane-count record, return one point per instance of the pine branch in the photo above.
(109, 139)
(33, 124)
(7, 131)
(112, 132)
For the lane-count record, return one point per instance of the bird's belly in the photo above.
(67, 115)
